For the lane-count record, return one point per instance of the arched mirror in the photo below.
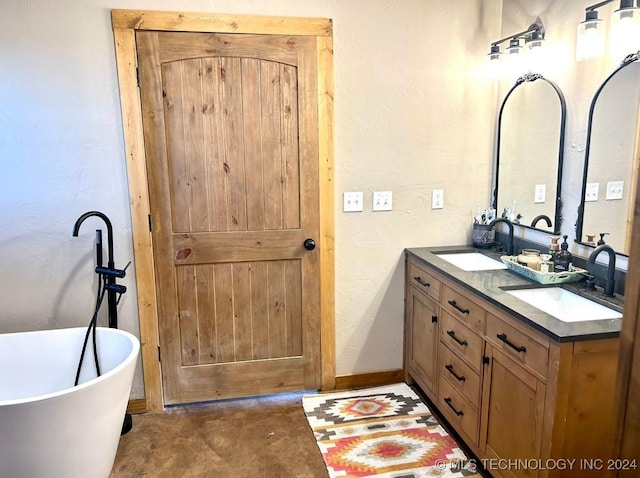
(530, 144)
(611, 159)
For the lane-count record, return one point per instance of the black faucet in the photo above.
(609, 284)
(510, 247)
(543, 217)
(110, 272)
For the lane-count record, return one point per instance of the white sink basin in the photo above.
(471, 261)
(565, 305)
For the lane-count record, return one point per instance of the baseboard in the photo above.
(371, 379)
(138, 405)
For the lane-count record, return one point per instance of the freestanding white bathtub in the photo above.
(48, 427)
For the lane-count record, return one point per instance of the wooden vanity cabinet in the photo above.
(513, 403)
(510, 391)
(422, 313)
(460, 361)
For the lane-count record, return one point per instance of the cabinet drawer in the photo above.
(464, 309)
(418, 276)
(518, 345)
(462, 340)
(460, 413)
(460, 375)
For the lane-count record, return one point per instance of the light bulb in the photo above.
(514, 61)
(590, 39)
(535, 54)
(495, 67)
(625, 32)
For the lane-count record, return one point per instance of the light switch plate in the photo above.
(591, 192)
(382, 201)
(437, 199)
(353, 201)
(614, 190)
(540, 193)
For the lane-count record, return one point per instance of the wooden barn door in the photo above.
(230, 130)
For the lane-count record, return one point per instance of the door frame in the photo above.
(125, 23)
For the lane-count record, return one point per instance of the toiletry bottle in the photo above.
(554, 247)
(563, 259)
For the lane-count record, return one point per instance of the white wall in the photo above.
(413, 112)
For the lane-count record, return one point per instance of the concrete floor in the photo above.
(257, 437)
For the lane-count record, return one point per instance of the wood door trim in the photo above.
(220, 23)
(125, 23)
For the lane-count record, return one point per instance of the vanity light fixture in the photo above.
(514, 54)
(625, 31)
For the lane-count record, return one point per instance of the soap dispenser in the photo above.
(563, 259)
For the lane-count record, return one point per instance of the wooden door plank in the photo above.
(206, 309)
(241, 379)
(259, 309)
(172, 86)
(178, 46)
(289, 148)
(271, 139)
(196, 183)
(187, 314)
(234, 167)
(253, 147)
(224, 312)
(157, 176)
(214, 138)
(277, 305)
(237, 246)
(293, 321)
(242, 311)
(309, 203)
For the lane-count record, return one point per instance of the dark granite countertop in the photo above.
(489, 286)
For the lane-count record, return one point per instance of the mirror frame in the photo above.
(628, 60)
(528, 78)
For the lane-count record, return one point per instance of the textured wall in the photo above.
(412, 113)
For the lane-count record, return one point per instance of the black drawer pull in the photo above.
(452, 334)
(434, 319)
(460, 378)
(457, 412)
(457, 307)
(517, 348)
(419, 280)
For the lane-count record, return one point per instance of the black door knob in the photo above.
(309, 244)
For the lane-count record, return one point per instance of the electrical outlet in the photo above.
(437, 199)
(540, 193)
(591, 192)
(353, 201)
(382, 200)
(614, 190)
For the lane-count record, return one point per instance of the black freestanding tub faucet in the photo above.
(110, 272)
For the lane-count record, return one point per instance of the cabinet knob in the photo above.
(309, 244)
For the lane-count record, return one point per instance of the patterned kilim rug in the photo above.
(384, 432)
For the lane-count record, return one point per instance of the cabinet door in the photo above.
(512, 414)
(422, 315)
